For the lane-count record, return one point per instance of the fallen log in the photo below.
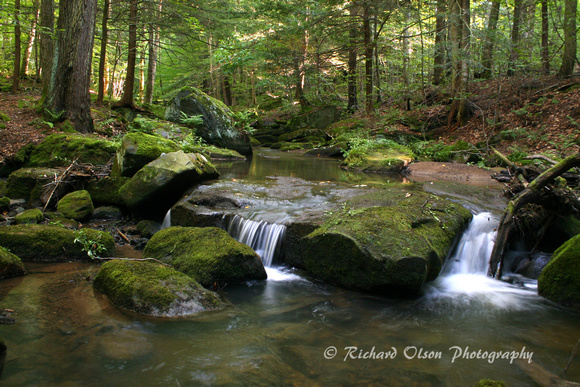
(529, 195)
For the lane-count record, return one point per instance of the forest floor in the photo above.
(530, 114)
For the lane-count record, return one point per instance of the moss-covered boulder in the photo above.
(208, 255)
(49, 243)
(560, 279)
(2, 187)
(32, 216)
(154, 289)
(382, 156)
(10, 265)
(27, 183)
(106, 213)
(385, 249)
(4, 203)
(137, 150)
(317, 118)
(76, 205)
(147, 228)
(161, 182)
(217, 128)
(61, 149)
(105, 191)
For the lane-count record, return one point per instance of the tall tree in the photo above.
(515, 37)
(440, 44)
(31, 39)
(545, 36)
(103, 57)
(460, 37)
(68, 95)
(569, 54)
(368, 45)
(128, 89)
(46, 43)
(352, 58)
(16, 73)
(154, 40)
(491, 39)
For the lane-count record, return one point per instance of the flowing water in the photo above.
(291, 329)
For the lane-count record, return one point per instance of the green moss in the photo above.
(560, 279)
(2, 188)
(4, 203)
(10, 264)
(60, 149)
(22, 182)
(208, 255)
(76, 205)
(46, 243)
(32, 216)
(152, 288)
(106, 191)
(377, 155)
(490, 383)
(4, 117)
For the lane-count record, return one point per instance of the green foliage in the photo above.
(427, 149)
(191, 143)
(191, 121)
(91, 243)
(142, 125)
(244, 119)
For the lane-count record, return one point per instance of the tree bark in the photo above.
(46, 43)
(460, 42)
(154, 40)
(440, 38)
(16, 72)
(68, 96)
(352, 105)
(103, 58)
(31, 39)
(569, 55)
(128, 89)
(515, 37)
(488, 50)
(369, 104)
(528, 195)
(545, 36)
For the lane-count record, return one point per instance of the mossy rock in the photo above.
(147, 228)
(4, 203)
(381, 157)
(10, 264)
(2, 187)
(160, 183)
(154, 289)
(60, 149)
(490, 383)
(139, 149)
(301, 134)
(48, 243)
(560, 279)
(317, 118)
(106, 213)
(76, 205)
(27, 183)
(217, 128)
(71, 224)
(105, 191)
(387, 250)
(460, 152)
(208, 255)
(32, 216)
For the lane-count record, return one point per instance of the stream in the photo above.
(292, 329)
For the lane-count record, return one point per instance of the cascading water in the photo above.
(265, 238)
(167, 220)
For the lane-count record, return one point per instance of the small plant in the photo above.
(142, 125)
(191, 143)
(191, 121)
(243, 120)
(53, 116)
(92, 246)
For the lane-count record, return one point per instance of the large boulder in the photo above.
(154, 289)
(45, 243)
(27, 183)
(76, 205)
(60, 149)
(385, 249)
(383, 156)
(10, 264)
(137, 150)
(208, 255)
(32, 216)
(318, 118)
(105, 191)
(161, 182)
(217, 128)
(560, 279)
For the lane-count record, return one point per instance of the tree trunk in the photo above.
(440, 37)
(369, 104)
(103, 58)
(352, 60)
(515, 38)
(569, 55)
(31, 39)
(16, 73)
(227, 90)
(545, 32)
(528, 195)
(491, 41)
(46, 43)
(460, 43)
(68, 96)
(154, 40)
(128, 89)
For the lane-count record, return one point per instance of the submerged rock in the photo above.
(10, 264)
(154, 289)
(160, 183)
(137, 150)
(76, 205)
(560, 279)
(208, 255)
(45, 243)
(217, 128)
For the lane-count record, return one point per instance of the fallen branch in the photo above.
(528, 195)
(541, 157)
(123, 236)
(57, 182)
(572, 355)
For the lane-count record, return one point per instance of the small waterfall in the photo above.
(167, 220)
(265, 238)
